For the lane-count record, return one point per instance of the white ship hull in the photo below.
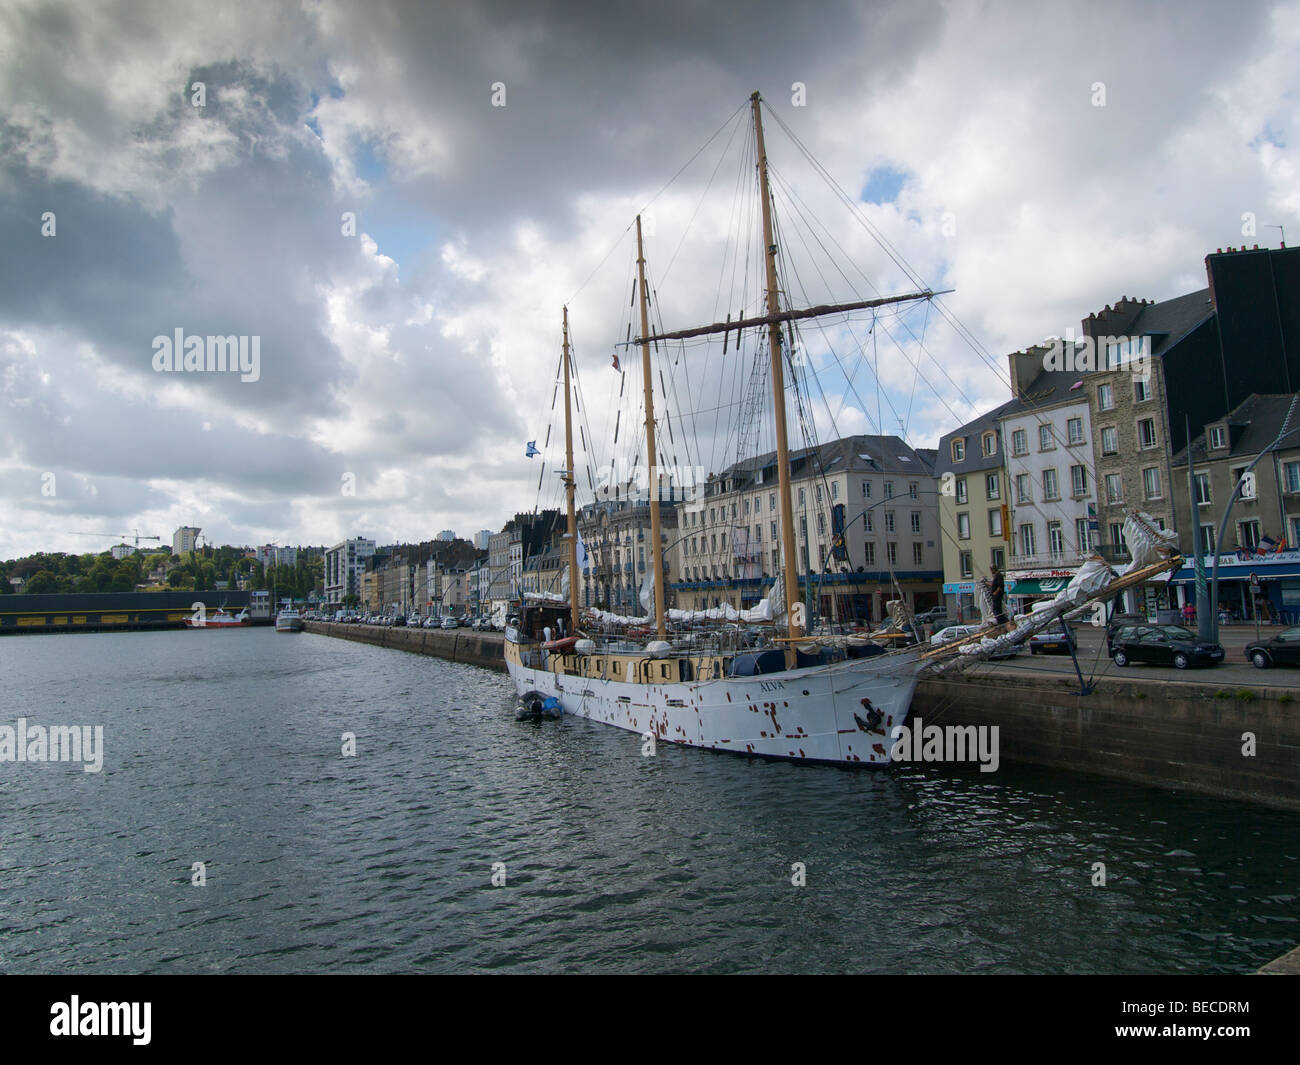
(218, 620)
(840, 713)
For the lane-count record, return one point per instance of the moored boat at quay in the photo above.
(201, 619)
(763, 685)
(288, 620)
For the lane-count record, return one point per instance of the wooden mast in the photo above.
(568, 486)
(656, 543)
(791, 573)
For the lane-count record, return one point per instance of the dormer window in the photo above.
(1218, 437)
(990, 443)
(959, 449)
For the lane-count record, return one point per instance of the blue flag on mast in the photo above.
(532, 449)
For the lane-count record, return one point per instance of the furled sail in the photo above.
(647, 594)
(1149, 545)
(1147, 542)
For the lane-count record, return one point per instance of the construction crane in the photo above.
(119, 536)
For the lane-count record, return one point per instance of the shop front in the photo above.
(1250, 586)
(961, 601)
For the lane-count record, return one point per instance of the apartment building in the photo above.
(615, 530)
(1050, 478)
(866, 530)
(344, 564)
(1263, 532)
(974, 516)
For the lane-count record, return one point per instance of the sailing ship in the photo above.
(785, 693)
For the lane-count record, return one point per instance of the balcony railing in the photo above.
(1048, 560)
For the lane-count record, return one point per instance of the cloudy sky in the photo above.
(193, 166)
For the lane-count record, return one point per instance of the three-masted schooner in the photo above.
(790, 696)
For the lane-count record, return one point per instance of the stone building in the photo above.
(1187, 361)
(866, 530)
(616, 534)
(1263, 533)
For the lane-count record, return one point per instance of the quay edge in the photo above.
(455, 645)
(1176, 735)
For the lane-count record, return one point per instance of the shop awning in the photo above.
(1037, 585)
(1240, 572)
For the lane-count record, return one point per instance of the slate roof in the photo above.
(858, 454)
(1171, 320)
(1253, 425)
(975, 460)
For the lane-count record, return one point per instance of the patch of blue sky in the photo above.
(1268, 135)
(884, 183)
(370, 164)
(401, 232)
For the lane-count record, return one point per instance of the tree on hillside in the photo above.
(42, 582)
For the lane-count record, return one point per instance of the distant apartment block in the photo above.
(270, 555)
(184, 539)
(343, 564)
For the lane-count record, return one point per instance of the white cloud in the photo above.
(422, 368)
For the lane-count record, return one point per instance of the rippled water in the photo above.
(225, 748)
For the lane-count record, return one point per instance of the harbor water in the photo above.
(295, 803)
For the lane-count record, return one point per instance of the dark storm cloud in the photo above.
(602, 96)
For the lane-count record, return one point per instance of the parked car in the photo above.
(449, 623)
(956, 632)
(1118, 622)
(936, 616)
(1050, 641)
(1162, 645)
(952, 632)
(1280, 650)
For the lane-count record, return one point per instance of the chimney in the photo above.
(1024, 366)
